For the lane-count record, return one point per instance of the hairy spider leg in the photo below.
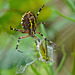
(19, 41)
(54, 44)
(24, 37)
(22, 31)
(40, 10)
(44, 37)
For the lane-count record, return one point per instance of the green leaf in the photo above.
(71, 4)
(34, 70)
(62, 61)
(68, 18)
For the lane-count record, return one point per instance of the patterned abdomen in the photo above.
(28, 21)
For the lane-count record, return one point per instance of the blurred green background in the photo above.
(59, 18)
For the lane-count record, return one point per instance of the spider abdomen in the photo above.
(28, 20)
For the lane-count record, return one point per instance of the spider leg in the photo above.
(46, 38)
(53, 44)
(19, 41)
(40, 10)
(18, 30)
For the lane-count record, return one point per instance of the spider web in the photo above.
(50, 51)
(21, 69)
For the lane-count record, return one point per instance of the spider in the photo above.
(29, 23)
